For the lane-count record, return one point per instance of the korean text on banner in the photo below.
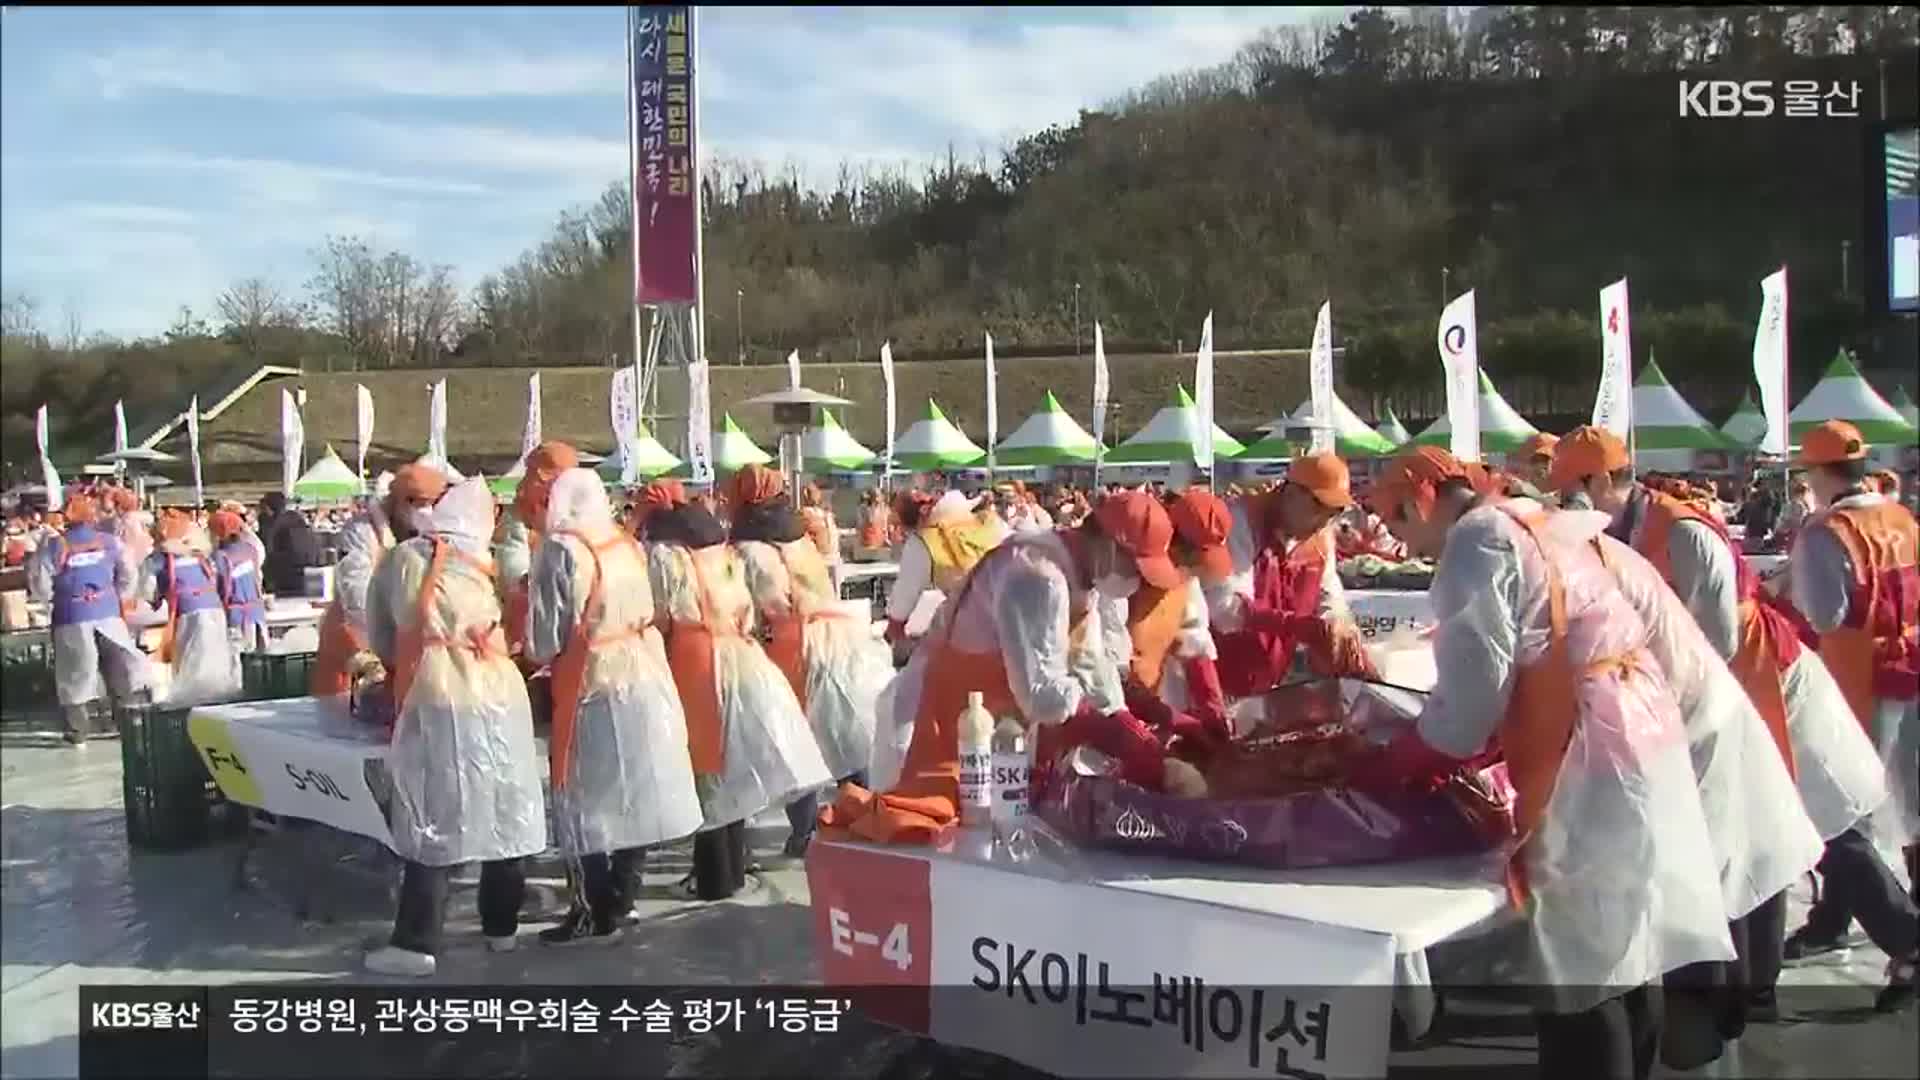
(1102, 389)
(624, 413)
(699, 424)
(48, 477)
(530, 437)
(1320, 374)
(1460, 355)
(886, 374)
(993, 406)
(193, 448)
(437, 422)
(664, 161)
(363, 422)
(1770, 360)
(1613, 405)
(1203, 397)
(293, 442)
(793, 369)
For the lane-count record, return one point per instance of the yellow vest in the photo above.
(955, 548)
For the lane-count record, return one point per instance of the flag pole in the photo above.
(633, 204)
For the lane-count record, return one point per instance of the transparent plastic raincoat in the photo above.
(846, 667)
(768, 752)
(200, 653)
(1761, 835)
(1623, 878)
(1019, 607)
(466, 772)
(627, 780)
(84, 577)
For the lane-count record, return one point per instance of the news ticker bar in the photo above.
(157, 1031)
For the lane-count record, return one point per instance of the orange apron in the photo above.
(787, 643)
(690, 656)
(339, 643)
(414, 640)
(1875, 652)
(1154, 619)
(1768, 644)
(569, 669)
(168, 633)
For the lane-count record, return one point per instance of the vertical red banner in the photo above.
(665, 164)
(873, 930)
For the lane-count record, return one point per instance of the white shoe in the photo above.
(393, 960)
(503, 944)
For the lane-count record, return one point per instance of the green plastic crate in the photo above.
(172, 804)
(271, 676)
(26, 676)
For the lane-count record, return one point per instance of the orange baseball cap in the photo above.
(1586, 451)
(1325, 477)
(1140, 525)
(1414, 474)
(1203, 520)
(1538, 445)
(1831, 443)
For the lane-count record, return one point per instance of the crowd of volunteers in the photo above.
(1684, 742)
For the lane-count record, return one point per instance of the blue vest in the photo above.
(187, 584)
(240, 585)
(84, 561)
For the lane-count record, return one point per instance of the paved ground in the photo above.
(79, 908)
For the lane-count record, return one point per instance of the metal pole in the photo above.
(1846, 260)
(633, 212)
(740, 325)
(1443, 286)
(1076, 320)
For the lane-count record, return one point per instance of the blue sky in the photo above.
(150, 156)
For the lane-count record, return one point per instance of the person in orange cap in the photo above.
(1172, 681)
(1543, 659)
(1533, 461)
(543, 464)
(835, 666)
(1026, 630)
(83, 576)
(875, 538)
(195, 644)
(816, 512)
(394, 515)
(237, 567)
(658, 495)
(1294, 600)
(1854, 577)
(1747, 760)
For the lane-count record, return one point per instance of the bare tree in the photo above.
(249, 308)
(19, 317)
(73, 328)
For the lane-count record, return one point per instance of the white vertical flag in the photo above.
(886, 374)
(120, 428)
(193, 448)
(793, 368)
(530, 436)
(1613, 406)
(1203, 397)
(48, 477)
(699, 423)
(363, 421)
(1102, 389)
(1460, 355)
(437, 422)
(293, 442)
(1320, 378)
(1770, 360)
(623, 403)
(993, 407)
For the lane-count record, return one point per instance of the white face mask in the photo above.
(1117, 586)
(422, 521)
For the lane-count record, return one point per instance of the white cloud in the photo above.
(293, 181)
(275, 71)
(498, 149)
(129, 214)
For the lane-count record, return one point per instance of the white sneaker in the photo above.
(393, 960)
(503, 944)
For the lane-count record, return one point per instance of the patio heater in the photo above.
(794, 411)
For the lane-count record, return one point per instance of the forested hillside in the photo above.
(1530, 153)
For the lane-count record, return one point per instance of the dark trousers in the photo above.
(1758, 938)
(609, 884)
(720, 861)
(803, 813)
(1700, 1013)
(1858, 885)
(1615, 1040)
(421, 921)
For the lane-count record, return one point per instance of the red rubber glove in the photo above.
(1148, 706)
(1406, 763)
(1206, 701)
(1121, 736)
(896, 631)
(1279, 622)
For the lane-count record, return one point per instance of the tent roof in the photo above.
(1172, 435)
(1501, 428)
(935, 443)
(1048, 437)
(1842, 394)
(1662, 419)
(829, 444)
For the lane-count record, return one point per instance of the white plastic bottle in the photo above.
(1012, 771)
(976, 762)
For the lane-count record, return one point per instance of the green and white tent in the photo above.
(327, 480)
(650, 459)
(1903, 404)
(1352, 438)
(934, 444)
(1048, 437)
(1501, 429)
(1748, 425)
(1275, 447)
(1392, 430)
(1172, 437)
(1841, 394)
(1667, 431)
(733, 450)
(829, 447)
